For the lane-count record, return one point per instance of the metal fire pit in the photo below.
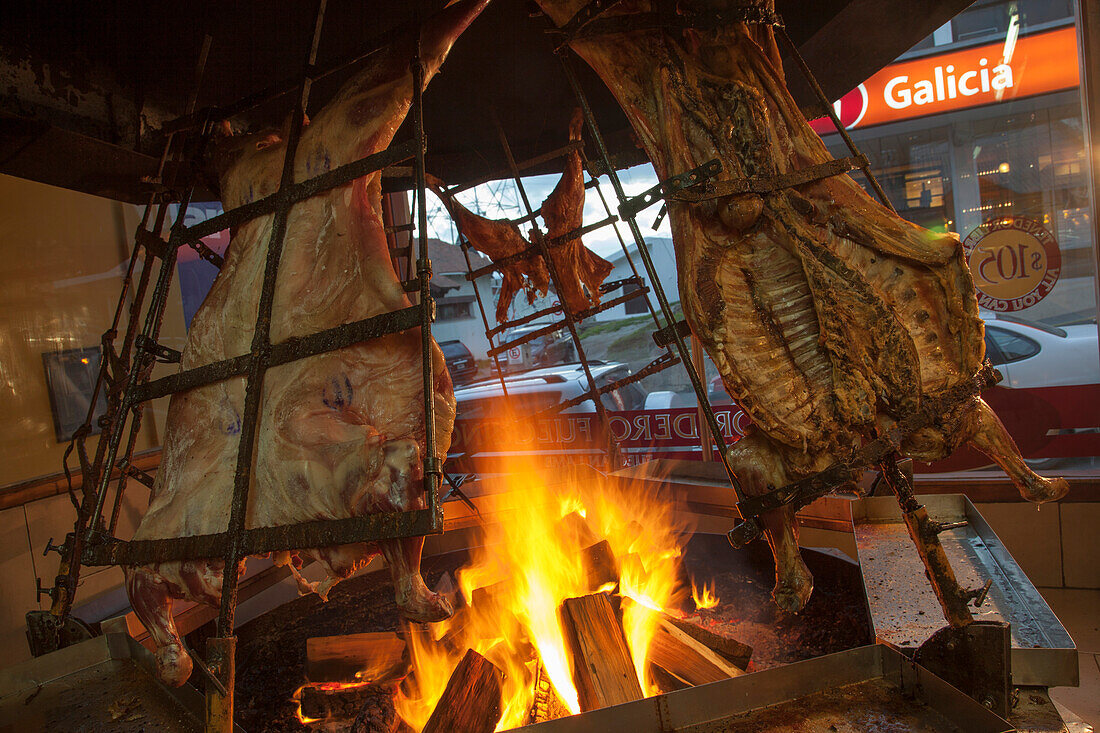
(905, 612)
(870, 688)
(102, 684)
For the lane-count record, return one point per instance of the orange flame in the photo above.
(704, 597)
(529, 560)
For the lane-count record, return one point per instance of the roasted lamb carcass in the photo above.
(828, 317)
(497, 239)
(579, 270)
(341, 434)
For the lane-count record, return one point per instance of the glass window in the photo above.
(1010, 346)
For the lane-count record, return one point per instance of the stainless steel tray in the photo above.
(905, 611)
(102, 684)
(867, 688)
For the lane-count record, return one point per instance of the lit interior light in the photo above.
(1003, 168)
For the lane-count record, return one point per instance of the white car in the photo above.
(1035, 355)
(539, 389)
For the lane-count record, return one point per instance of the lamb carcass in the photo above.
(497, 239)
(341, 434)
(579, 270)
(828, 317)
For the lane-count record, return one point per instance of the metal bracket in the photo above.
(162, 353)
(667, 335)
(633, 206)
(61, 549)
(769, 184)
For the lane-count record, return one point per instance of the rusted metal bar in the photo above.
(767, 184)
(655, 282)
(221, 660)
(293, 349)
(828, 105)
(579, 315)
(296, 192)
(261, 345)
(555, 277)
(433, 467)
(631, 207)
(258, 540)
(923, 531)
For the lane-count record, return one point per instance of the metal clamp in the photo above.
(162, 353)
(667, 335)
(632, 206)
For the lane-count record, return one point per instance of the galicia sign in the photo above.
(1015, 263)
(1037, 64)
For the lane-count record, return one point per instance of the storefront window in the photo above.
(975, 132)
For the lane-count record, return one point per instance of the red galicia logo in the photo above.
(1015, 262)
(850, 109)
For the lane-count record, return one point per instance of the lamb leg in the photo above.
(991, 438)
(152, 602)
(759, 465)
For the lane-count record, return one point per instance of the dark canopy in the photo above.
(89, 86)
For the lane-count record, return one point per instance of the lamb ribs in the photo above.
(829, 317)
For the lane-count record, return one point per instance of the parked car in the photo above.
(460, 360)
(1031, 354)
(539, 389)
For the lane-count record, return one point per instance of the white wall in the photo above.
(470, 331)
(664, 261)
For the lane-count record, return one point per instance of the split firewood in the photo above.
(575, 531)
(733, 650)
(602, 668)
(471, 703)
(600, 566)
(546, 704)
(674, 651)
(341, 704)
(376, 657)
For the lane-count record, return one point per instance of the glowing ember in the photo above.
(704, 597)
(526, 565)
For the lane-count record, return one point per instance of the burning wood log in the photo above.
(346, 703)
(685, 658)
(377, 657)
(546, 705)
(602, 668)
(600, 566)
(472, 701)
(575, 530)
(733, 650)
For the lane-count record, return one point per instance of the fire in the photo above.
(526, 565)
(704, 597)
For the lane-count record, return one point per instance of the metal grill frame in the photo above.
(124, 375)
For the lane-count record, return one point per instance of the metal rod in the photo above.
(570, 321)
(655, 283)
(260, 348)
(433, 469)
(827, 103)
(953, 600)
(622, 242)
